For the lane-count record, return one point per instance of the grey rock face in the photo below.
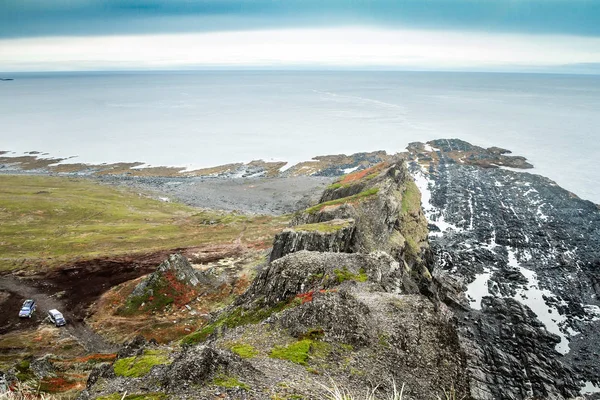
(196, 365)
(338, 238)
(526, 255)
(306, 271)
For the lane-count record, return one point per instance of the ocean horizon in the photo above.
(197, 119)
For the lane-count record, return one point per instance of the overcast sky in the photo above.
(38, 35)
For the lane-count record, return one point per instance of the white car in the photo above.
(56, 317)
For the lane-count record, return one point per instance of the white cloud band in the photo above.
(341, 47)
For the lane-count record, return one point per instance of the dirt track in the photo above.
(71, 290)
(78, 329)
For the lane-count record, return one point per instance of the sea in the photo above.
(206, 118)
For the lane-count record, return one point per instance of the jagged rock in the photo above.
(338, 314)
(134, 347)
(176, 264)
(383, 204)
(538, 247)
(335, 235)
(42, 367)
(102, 370)
(517, 358)
(196, 365)
(174, 284)
(306, 271)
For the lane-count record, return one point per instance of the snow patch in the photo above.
(532, 297)
(477, 289)
(432, 213)
(589, 388)
(349, 170)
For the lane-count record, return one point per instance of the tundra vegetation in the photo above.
(48, 221)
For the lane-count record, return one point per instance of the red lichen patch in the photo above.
(358, 175)
(306, 297)
(95, 358)
(179, 291)
(63, 383)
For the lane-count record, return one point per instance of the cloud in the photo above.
(333, 47)
(21, 18)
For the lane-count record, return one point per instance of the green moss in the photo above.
(295, 352)
(234, 318)
(300, 351)
(24, 373)
(347, 347)
(162, 296)
(313, 334)
(315, 277)
(411, 198)
(345, 275)
(244, 350)
(324, 227)
(356, 197)
(140, 365)
(141, 396)
(199, 336)
(229, 382)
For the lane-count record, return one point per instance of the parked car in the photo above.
(56, 317)
(27, 309)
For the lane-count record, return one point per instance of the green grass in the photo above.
(229, 382)
(234, 318)
(345, 275)
(413, 225)
(411, 198)
(140, 365)
(324, 227)
(349, 199)
(199, 336)
(47, 221)
(24, 373)
(301, 351)
(244, 350)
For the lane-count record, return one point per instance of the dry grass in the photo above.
(46, 221)
(335, 392)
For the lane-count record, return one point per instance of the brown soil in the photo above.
(71, 289)
(74, 288)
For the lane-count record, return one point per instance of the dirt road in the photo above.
(21, 289)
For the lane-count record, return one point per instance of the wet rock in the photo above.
(537, 247)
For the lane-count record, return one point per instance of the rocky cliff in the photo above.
(453, 277)
(526, 254)
(341, 299)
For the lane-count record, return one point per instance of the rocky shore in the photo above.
(447, 270)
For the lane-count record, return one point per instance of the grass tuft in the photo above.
(138, 366)
(335, 392)
(359, 196)
(229, 382)
(244, 350)
(345, 275)
(300, 351)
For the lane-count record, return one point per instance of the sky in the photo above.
(530, 35)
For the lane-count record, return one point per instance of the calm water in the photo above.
(201, 119)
